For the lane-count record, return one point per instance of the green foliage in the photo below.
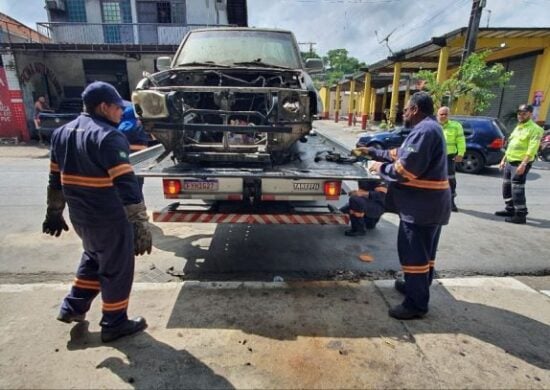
(474, 79)
(339, 63)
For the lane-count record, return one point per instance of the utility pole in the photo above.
(311, 44)
(473, 27)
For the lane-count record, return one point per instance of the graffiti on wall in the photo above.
(12, 111)
(5, 111)
(38, 68)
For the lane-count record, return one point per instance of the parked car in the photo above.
(544, 148)
(484, 141)
(68, 110)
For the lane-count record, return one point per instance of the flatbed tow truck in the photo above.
(306, 190)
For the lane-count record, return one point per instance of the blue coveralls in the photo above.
(370, 208)
(89, 162)
(132, 129)
(134, 133)
(419, 192)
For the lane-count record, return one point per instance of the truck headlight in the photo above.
(294, 106)
(150, 104)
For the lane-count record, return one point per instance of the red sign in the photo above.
(12, 114)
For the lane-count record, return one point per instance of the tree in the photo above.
(338, 64)
(474, 79)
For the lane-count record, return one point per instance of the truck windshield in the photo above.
(225, 47)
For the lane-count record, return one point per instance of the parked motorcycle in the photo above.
(544, 148)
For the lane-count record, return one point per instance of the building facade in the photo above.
(383, 89)
(136, 21)
(108, 40)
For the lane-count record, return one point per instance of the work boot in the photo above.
(399, 285)
(519, 219)
(357, 227)
(453, 206)
(70, 317)
(504, 213)
(127, 328)
(403, 313)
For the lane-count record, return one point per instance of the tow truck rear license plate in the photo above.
(200, 185)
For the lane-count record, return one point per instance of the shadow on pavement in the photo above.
(534, 222)
(149, 363)
(326, 309)
(260, 252)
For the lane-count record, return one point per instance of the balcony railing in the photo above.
(120, 33)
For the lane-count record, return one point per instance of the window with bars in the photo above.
(76, 10)
(164, 12)
(116, 11)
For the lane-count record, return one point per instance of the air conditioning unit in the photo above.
(221, 5)
(55, 5)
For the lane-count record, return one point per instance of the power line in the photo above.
(448, 7)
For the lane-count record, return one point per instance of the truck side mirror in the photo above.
(163, 63)
(314, 65)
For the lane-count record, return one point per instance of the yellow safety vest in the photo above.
(454, 137)
(524, 141)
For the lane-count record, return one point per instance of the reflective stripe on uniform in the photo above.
(120, 170)
(86, 181)
(427, 184)
(115, 306)
(402, 171)
(86, 284)
(416, 269)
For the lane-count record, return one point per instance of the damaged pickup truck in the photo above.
(233, 95)
(233, 110)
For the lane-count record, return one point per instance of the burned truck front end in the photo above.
(233, 107)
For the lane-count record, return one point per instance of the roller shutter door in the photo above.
(508, 99)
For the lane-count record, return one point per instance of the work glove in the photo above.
(362, 151)
(137, 216)
(54, 223)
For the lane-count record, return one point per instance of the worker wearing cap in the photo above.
(90, 171)
(365, 207)
(456, 146)
(521, 150)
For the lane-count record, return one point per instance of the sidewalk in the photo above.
(480, 333)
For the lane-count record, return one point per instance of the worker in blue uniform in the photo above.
(418, 190)
(132, 129)
(365, 207)
(90, 171)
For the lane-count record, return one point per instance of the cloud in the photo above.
(351, 24)
(28, 12)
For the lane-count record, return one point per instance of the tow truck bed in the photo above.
(284, 194)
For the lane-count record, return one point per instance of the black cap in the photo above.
(100, 92)
(525, 107)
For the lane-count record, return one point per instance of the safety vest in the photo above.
(524, 141)
(454, 137)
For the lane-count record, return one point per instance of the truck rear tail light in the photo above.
(333, 189)
(498, 143)
(171, 187)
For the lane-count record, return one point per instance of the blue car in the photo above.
(484, 141)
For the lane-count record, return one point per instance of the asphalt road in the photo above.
(475, 241)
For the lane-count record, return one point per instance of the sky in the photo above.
(360, 26)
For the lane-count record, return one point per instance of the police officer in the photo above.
(419, 191)
(521, 150)
(456, 146)
(365, 207)
(90, 171)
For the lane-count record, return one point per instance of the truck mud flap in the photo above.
(261, 219)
